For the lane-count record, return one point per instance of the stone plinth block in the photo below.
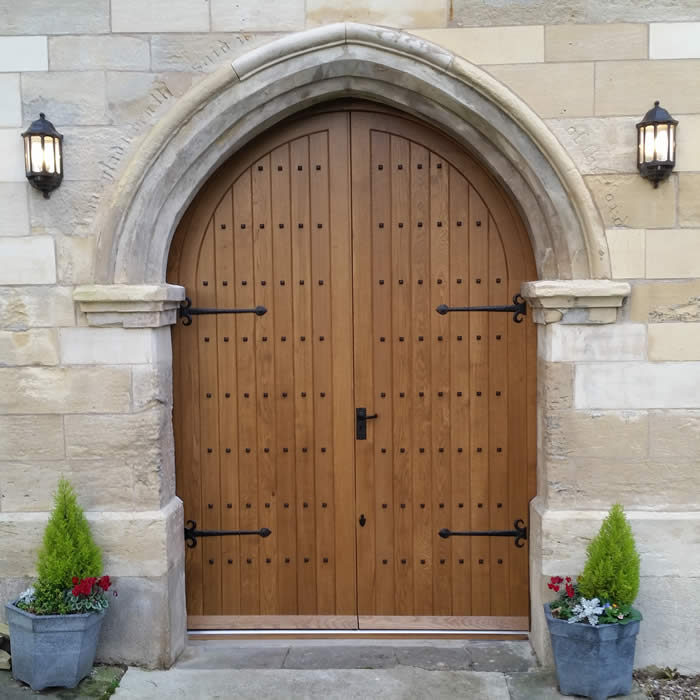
(130, 306)
(114, 346)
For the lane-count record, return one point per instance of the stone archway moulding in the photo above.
(241, 100)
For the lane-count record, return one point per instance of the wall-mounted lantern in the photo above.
(43, 155)
(656, 144)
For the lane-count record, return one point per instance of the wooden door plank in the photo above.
(479, 410)
(402, 334)
(303, 375)
(265, 383)
(443, 622)
(460, 394)
(319, 281)
(226, 395)
(289, 553)
(440, 359)
(209, 425)
(422, 397)
(272, 622)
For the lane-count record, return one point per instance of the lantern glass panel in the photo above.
(57, 155)
(661, 147)
(648, 143)
(37, 154)
(672, 142)
(49, 158)
(27, 156)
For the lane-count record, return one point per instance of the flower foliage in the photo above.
(68, 557)
(88, 594)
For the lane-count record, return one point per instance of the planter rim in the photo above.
(548, 614)
(12, 606)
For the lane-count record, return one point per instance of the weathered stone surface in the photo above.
(501, 657)
(498, 12)
(74, 259)
(114, 346)
(627, 252)
(689, 198)
(223, 657)
(95, 52)
(551, 89)
(669, 253)
(135, 97)
(405, 15)
(665, 430)
(555, 384)
(12, 162)
(87, 159)
(630, 87)
(599, 145)
(30, 260)
(65, 390)
(674, 341)
(434, 658)
(36, 307)
(35, 347)
(160, 16)
(659, 302)
(340, 657)
(42, 17)
(31, 437)
(491, 45)
(15, 209)
(201, 52)
(152, 385)
(72, 206)
(674, 40)
(597, 434)
(55, 94)
(248, 15)
(10, 101)
(637, 385)
(688, 148)
(610, 342)
(28, 485)
(627, 200)
(595, 42)
(23, 53)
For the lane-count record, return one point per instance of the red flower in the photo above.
(557, 579)
(568, 579)
(75, 580)
(556, 589)
(104, 583)
(569, 590)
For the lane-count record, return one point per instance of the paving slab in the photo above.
(400, 683)
(433, 658)
(98, 684)
(232, 657)
(542, 685)
(341, 656)
(505, 657)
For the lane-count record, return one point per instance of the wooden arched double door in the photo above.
(350, 226)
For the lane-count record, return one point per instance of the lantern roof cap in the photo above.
(42, 127)
(657, 115)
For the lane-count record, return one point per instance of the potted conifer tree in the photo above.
(592, 624)
(55, 625)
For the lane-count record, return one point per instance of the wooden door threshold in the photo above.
(406, 634)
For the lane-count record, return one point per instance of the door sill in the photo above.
(228, 634)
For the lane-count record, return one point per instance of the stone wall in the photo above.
(619, 403)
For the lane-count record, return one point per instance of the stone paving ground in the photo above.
(334, 670)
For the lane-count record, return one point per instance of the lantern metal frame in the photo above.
(45, 180)
(658, 168)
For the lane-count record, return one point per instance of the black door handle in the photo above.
(363, 520)
(361, 419)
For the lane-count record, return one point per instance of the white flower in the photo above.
(26, 596)
(589, 609)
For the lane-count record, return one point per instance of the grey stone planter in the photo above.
(596, 662)
(52, 650)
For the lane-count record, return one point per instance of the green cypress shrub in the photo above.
(68, 550)
(611, 573)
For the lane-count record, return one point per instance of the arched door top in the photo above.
(240, 100)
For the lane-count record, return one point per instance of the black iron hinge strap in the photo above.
(192, 533)
(518, 308)
(187, 311)
(519, 533)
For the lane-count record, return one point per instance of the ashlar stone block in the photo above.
(35, 347)
(55, 93)
(74, 259)
(688, 144)
(551, 89)
(669, 253)
(630, 87)
(12, 162)
(661, 302)
(31, 437)
(36, 307)
(114, 346)
(637, 385)
(595, 42)
(491, 45)
(73, 206)
(23, 53)
(30, 260)
(608, 342)
(627, 252)
(674, 341)
(629, 200)
(160, 16)
(406, 14)
(260, 15)
(95, 52)
(15, 209)
(689, 198)
(44, 390)
(10, 102)
(46, 17)
(674, 40)
(675, 435)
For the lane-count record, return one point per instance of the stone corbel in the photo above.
(129, 305)
(575, 301)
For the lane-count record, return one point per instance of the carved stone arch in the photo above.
(241, 100)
